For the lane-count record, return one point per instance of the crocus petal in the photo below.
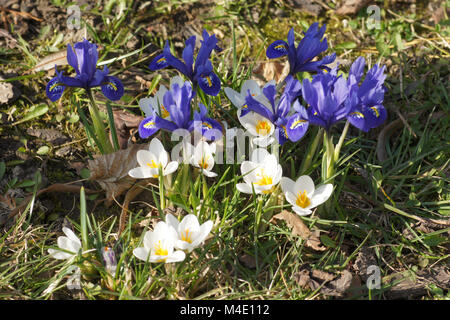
(141, 173)
(172, 221)
(287, 185)
(58, 254)
(141, 253)
(244, 188)
(321, 194)
(300, 211)
(170, 168)
(236, 98)
(156, 148)
(112, 88)
(71, 235)
(176, 256)
(305, 183)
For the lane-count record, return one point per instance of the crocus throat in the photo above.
(302, 200)
(185, 236)
(265, 180)
(160, 250)
(153, 164)
(262, 128)
(203, 162)
(164, 113)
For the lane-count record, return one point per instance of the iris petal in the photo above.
(210, 84)
(159, 62)
(112, 88)
(147, 127)
(55, 89)
(277, 49)
(296, 127)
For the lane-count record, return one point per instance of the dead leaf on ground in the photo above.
(111, 170)
(270, 70)
(352, 6)
(48, 63)
(316, 279)
(366, 257)
(299, 228)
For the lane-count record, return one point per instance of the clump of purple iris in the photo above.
(177, 102)
(331, 98)
(367, 111)
(83, 58)
(201, 72)
(300, 57)
(279, 108)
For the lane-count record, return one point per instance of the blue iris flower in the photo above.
(300, 58)
(83, 58)
(367, 111)
(177, 102)
(201, 72)
(329, 101)
(279, 109)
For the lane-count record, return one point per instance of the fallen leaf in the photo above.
(352, 6)
(111, 170)
(298, 227)
(270, 70)
(322, 275)
(366, 257)
(58, 58)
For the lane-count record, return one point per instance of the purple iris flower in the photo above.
(201, 72)
(83, 58)
(278, 109)
(367, 111)
(177, 102)
(329, 101)
(300, 58)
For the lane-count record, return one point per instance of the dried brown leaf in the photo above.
(270, 70)
(352, 6)
(300, 229)
(59, 58)
(111, 170)
(322, 275)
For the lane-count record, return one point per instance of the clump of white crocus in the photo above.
(159, 245)
(150, 161)
(263, 172)
(190, 234)
(70, 245)
(302, 194)
(152, 105)
(201, 156)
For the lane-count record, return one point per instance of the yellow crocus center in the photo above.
(262, 128)
(265, 179)
(203, 162)
(185, 236)
(160, 250)
(302, 200)
(164, 112)
(153, 164)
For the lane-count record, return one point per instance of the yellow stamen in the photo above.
(265, 179)
(280, 46)
(159, 250)
(112, 85)
(302, 200)
(153, 164)
(206, 124)
(161, 60)
(185, 236)
(164, 112)
(263, 128)
(209, 81)
(203, 162)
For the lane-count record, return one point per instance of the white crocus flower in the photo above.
(259, 127)
(70, 246)
(159, 245)
(202, 157)
(302, 194)
(150, 161)
(262, 171)
(155, 104)
(190, 234)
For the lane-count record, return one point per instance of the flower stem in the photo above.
(266, 212)
(162, 200)
(99, 128)
(338, 147)
(83, 220)
(311, 151)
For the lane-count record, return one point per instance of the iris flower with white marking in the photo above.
(201, 72)
(83, 58)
